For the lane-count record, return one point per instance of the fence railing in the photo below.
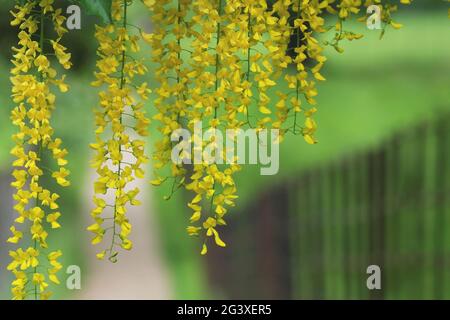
(314, 235)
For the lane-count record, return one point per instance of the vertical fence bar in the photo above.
(281, 211)
(388, 252)
(371, 189)
(244, 249)
(308, 215)
(304, 236)
(392, 223)
(344, 169)
(420, 190)
(309, 224)
(318, 230)
(340, 232)
(360, 216)
(377, 176)
(312, 234)
(381, 214)
(273, 245)
(352, 221)
(329, 261)
(294, 232)
(333, 257)
(440, 195)
(303, 197)
(337, 232)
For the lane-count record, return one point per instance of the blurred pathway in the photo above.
(138, 274)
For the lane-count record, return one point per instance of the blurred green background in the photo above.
(374, 90)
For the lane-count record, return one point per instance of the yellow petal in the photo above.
(204, 250)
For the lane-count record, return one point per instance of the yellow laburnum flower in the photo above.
(17, 235)
(60, 177)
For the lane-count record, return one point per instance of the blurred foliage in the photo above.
(100, 8)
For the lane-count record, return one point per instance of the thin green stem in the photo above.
(219, 31)
(41, 78)
(298, 82)
(119, 169)
(249, 53)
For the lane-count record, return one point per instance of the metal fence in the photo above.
(313, 236)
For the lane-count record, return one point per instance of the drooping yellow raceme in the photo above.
(194, 87)
(33, 79)
(121, 126)
(170, 29)
(220, 62)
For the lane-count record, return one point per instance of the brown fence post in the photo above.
(346, 227)
(361, 195)
(273, 248)
(377, 209)
(441, 173)
(393, 225)
(317, 239)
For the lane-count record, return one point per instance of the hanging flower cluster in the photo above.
(32, 78)
(225, 64)
(194, 87)
(221, 63)
(121, 125)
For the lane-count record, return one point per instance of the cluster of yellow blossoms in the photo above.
(225, 63)
(32, 80)
(121, 124)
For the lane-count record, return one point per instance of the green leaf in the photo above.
(100, 8)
